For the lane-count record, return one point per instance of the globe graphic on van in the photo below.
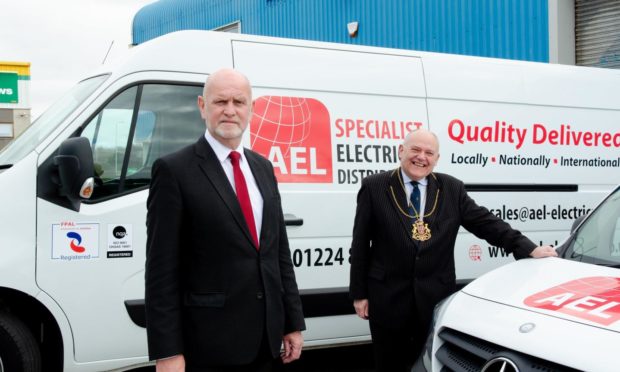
(282, 121)
(294, 133)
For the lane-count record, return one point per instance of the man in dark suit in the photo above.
(402, 258)
(220, 288)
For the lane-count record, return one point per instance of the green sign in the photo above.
(8, 87)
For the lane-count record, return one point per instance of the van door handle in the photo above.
(292, 220)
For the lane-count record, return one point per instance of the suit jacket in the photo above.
(210, 294)
(396, 273)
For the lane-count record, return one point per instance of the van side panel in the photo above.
(528, 127)
(326, 119)
(17, 234)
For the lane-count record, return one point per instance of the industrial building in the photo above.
(582, 32)
(14, 100)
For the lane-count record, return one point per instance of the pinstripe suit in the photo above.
(402, 278)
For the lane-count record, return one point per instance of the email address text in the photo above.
(538, 214)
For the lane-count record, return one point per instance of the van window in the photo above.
(49, 120)
(598, 239)
(108, 133)
(139, 125)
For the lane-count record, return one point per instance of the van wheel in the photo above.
(18, 348)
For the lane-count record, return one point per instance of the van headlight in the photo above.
(425, 360)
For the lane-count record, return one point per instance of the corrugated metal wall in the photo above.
(597, 33)
(516, 29)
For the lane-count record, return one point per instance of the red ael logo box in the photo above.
(596, 299)
(294, 134)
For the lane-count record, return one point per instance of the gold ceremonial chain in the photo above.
(405, 190)
(419, 230)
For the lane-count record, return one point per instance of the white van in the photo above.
(535, 143)
(553, 314)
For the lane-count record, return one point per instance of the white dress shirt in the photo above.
(222, 152)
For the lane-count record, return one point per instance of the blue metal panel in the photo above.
(516, 29)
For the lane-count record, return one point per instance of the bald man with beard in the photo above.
(220, 288)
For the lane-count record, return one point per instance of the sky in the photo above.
(64, 40)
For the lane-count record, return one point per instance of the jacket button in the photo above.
(259, 295)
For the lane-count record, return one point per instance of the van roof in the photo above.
(447, 76)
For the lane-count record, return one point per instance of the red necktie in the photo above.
(242, 194)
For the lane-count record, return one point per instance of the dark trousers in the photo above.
(264, 362)
(395, 350)
(256, 366)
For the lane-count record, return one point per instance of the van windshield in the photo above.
(597, 240)
(48, 121)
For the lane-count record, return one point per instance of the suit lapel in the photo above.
(263, 181)
(212, 169)
(398, 198)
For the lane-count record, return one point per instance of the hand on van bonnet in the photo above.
(361, 308)
(293, 343)
(544, 251)
(172, 364)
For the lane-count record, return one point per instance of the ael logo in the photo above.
(294, 134)
(596, 299)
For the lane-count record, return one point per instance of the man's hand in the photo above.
(361, 308)
(172, 364)
(544, 251)
(292, 346)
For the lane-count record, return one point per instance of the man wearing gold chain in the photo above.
(402, 257)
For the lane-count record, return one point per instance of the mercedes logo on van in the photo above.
(527, 327)
(500, 364)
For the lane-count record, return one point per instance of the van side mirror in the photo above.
(76, 169)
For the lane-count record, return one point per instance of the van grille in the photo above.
(464, 353)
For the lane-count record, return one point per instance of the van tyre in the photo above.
(19, 350)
